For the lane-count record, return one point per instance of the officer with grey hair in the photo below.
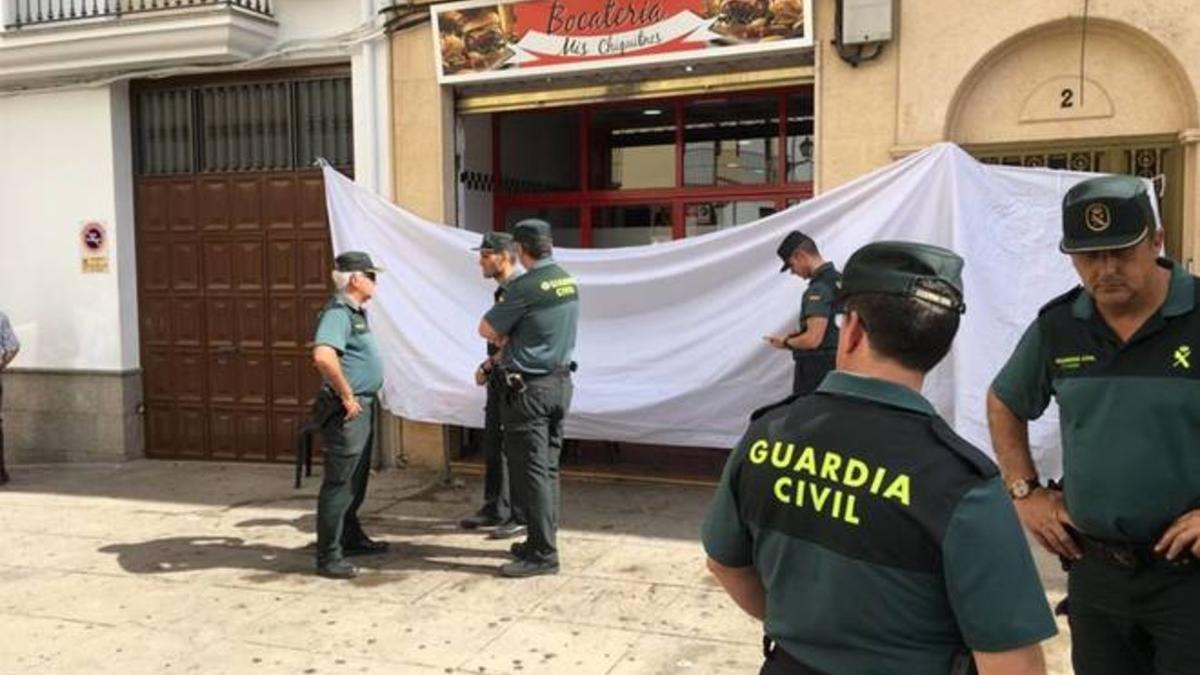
(9, 346)
(347, 355)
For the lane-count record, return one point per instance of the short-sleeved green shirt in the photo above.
(886, 543)
(1129, 414)
(344, 327)
(819, 301)
(540, 314)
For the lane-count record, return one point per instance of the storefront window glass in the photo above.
(731, 141)
(705, 217)
(642, 172)
(539, 151)
(631, 225)
(799, 137)
(564, 222)
(632, 148)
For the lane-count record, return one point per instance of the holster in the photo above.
(324, 408)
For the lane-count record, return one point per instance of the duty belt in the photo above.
(516, 379)
(785, 661)
(1134, 557)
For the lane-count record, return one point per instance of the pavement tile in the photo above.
(124, 649)
(663, 655)
(22, 587)
(153, 604)
(678, 565)
(494, 596)
(630, 605)
(428, 636)
(536, 646)
(32, 644)
(233, 657)
(700, 613)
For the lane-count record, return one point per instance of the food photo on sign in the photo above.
(482, 40)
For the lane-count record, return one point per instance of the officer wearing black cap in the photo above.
(535, 325)
(867, 536)
(498, 261)
(346, 354)
(814, 344)
(1119, 354)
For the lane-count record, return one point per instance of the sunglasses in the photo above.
(369, 275)
(839, 320)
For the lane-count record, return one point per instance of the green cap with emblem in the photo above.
(355, 261)
(788, 246)
(1106, 213)
(495, 241)
(532, 232)
(928, 273)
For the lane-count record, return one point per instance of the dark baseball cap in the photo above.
(929, 273)
(495, 241)
(532, 232)
(789, 245)
(355, 261)
(1106, 213)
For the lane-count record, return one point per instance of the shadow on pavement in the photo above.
(174, 555)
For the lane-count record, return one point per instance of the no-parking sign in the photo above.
(93, 239)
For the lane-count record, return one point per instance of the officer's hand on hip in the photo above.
(1181, 537)
(352, 406)
(1044, 514)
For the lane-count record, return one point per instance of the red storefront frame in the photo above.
(587, 199)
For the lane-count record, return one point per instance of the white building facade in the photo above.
(162, 231)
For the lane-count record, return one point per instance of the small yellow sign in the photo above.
(95, 265)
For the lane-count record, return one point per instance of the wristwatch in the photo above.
(1022, 488)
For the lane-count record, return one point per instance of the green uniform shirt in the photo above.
(818, 301)
(539, 313)
(344, 327)
(1129, 413)
(886, 544)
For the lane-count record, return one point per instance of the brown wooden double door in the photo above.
(233, 269)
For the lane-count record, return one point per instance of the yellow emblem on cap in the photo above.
(1097, 217)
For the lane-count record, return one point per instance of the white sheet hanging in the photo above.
(670, 348)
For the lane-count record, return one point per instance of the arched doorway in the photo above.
(1114, 101)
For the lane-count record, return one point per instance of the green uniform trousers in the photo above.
(497, 489)
(1134, 621)
(810, 370)
(533, 441)
(347, 446)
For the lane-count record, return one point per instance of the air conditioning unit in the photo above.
(866, 21)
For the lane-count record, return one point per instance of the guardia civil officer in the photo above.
(868, 537)
(348, 357)
(534, 325)
(9, 346)
(498, 261)
(814, 344)
(1120, 355)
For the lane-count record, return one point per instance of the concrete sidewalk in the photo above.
(167, 567)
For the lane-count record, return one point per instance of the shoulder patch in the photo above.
(975, 458)
(774, 406)
(1064, 299)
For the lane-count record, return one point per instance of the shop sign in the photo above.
(93, 245)
(482, 40)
